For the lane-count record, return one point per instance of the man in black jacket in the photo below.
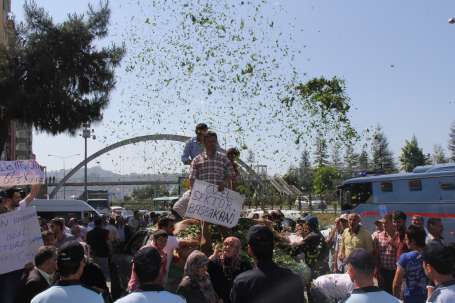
(40, 277)
(98, 239)
(268, 282)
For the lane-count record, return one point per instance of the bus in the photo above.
(98, 199)
(49, 209)
(164, 204)
(428, 191)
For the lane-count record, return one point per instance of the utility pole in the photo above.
(86, 134)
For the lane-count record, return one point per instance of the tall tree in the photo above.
(325, 179)
(351, 160)
(412, 155)
(439, 155)
(320, 154)
(382, 157)
(55, 76)
(336, 156)
(452, 143)
(305, 173)
(364, 162)
(250, 157)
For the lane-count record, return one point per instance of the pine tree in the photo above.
(250, 157)
(364, 162)
(411, 155)
(452, 143)
(351, 160)
(305, 173)
(438, 156)
(56, 76)
(320, 154)
(382, 157)
(336, 157)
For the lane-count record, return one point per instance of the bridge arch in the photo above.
(155, 137)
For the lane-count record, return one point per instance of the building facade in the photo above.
(19, 143)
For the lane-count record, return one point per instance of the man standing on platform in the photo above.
(195, 145)
(193, 148)
(212, 167)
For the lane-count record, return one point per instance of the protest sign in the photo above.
(209, 205)
(20, 172)
(20, 238)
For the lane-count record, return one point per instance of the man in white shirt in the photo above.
(435, 230)
(41, 277)
(13, 199)
(147, 263)
(361, 265)
(439, 263)
(71, 263)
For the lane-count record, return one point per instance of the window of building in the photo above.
(447, 186)
(415, 185)
(387, 186)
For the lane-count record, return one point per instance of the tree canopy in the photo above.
(412, 155)
(382, 156)
(53, 76)
(452, 143)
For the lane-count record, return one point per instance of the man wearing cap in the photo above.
(147, 264)
(355, 236)
(267, 282)
(439, 264)
(71, 263)
(361, 265)
(386, 251)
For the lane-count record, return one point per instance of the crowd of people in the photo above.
(347, 264)
(399, 261)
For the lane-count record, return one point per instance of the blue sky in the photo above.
(396, 57)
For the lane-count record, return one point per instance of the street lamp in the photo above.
(63, 158)
(86, 133)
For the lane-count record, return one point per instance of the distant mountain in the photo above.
(97, 173)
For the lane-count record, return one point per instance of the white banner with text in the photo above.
(20, 172)
(20, 238)
(210, 205)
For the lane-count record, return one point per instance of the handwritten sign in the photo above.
(20, 238)
(20, 172)
(210, 205)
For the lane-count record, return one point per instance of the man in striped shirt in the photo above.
(211, 165)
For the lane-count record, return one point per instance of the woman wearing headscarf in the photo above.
(225, 265)
(196, 286)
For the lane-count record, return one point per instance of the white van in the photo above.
(49, 209)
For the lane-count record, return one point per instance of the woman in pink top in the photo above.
(159, 242)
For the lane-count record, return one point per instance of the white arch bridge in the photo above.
(156, 137)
